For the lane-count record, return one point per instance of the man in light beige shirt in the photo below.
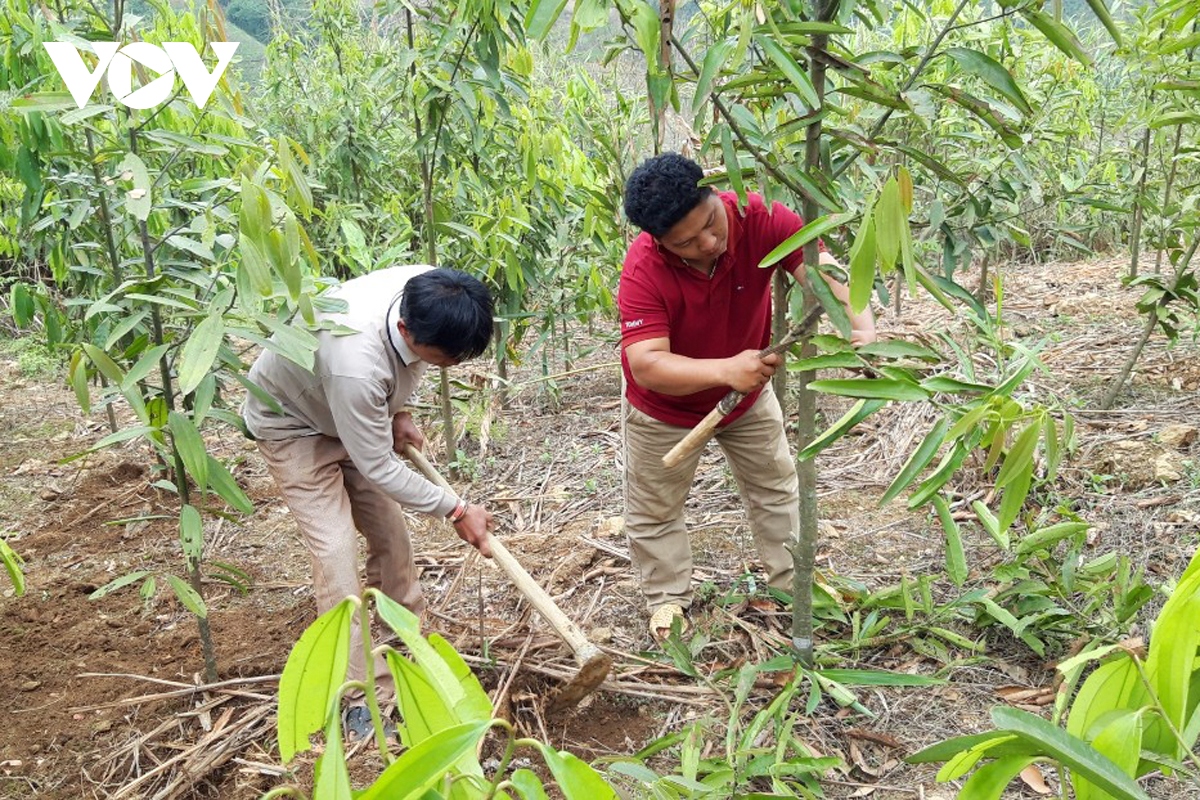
(332, 437)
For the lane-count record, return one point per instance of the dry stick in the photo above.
(700, 434)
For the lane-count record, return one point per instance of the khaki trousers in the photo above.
(757, 452)
(331, 501)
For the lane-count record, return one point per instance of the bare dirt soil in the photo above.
(104, 698)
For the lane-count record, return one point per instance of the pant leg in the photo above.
(654, 498)
(309, 475)
(762, 464)
(390, 566)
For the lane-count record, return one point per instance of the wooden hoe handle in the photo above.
(699, 435)
(570, 633)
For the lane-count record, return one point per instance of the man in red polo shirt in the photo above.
(695, 311)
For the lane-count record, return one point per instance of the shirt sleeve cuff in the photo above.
(448, 503)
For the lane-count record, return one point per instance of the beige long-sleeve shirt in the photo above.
(358, 383)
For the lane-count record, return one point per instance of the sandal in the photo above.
(357, 724)
(663, 621)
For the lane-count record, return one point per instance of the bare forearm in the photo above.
(676, 375)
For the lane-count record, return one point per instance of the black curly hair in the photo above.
(663, 190)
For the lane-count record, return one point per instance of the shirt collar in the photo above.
(406, 355)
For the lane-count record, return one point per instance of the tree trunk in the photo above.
(804, 554)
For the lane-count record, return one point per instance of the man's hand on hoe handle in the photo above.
(475, 528)
(750, 370)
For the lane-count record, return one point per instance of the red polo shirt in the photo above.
(660, 296)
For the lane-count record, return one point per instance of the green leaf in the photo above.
(899, 349)
(989, 781)
(810, 231)
(190, 446)
(528, 785)
(1121, 742)
(79, 383)
(199, 352)
(422, 766)
(889, 223)
(947, 385)
(144, 366)
(733, 167)
(124, 435)
(1175, 118)
(826, 361)
(108, 368)
(1046, 538)
(863, 255)
(222, 482)
(919, 459)
(1015, 494)
(1083, 759)
(421, 706)
(254, 217)
(475, 704)
(254, 264)
(992, 72)
(315, 669)
(191, 600)
(874, 388)
(1001, 741)
(138, 199)
(12, 564)
(984, 111)
(956, 558)
(1059, 35)
(857, 413)
(1182, 43)
(1019, 455)
(1111, 686)
(191, 533)
(119, 583)
(575, 779)
(331, 777)
(990, 524)
(878, 677)
(714, 60)
(791, 70)
(1102, 14)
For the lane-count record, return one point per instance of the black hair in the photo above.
(449, 310)
(663, 190)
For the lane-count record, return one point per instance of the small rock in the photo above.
(602, 634)
(1177, 436)
(29, 686)
(1168, 467)
(103, 726)
(49, 493)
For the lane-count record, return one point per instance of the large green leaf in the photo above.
(857, 413)
(422, 709)
(984, 112)
(956, 559)
(1121, 742)
(791, 70)
(315, 669)
(1020, 454)
(191, 533)
(108, 368)
(916, 462)
(475, 704)
(1102, 14)
(863, 256)
(199, 352)
(575, 779)
(190, 598)
(541, 16)
(879, 677)
(420, 767)
(871, 388)
(331, 776)
(989, 781)
(1059, 34)
(137, 199)
(714, 60)
(190, 446)
(992, 72)
(1078, 755)
(223, 483)
(1046, 538)
(811, 230)
(890, 220)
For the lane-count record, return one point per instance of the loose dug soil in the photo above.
(101, 698)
